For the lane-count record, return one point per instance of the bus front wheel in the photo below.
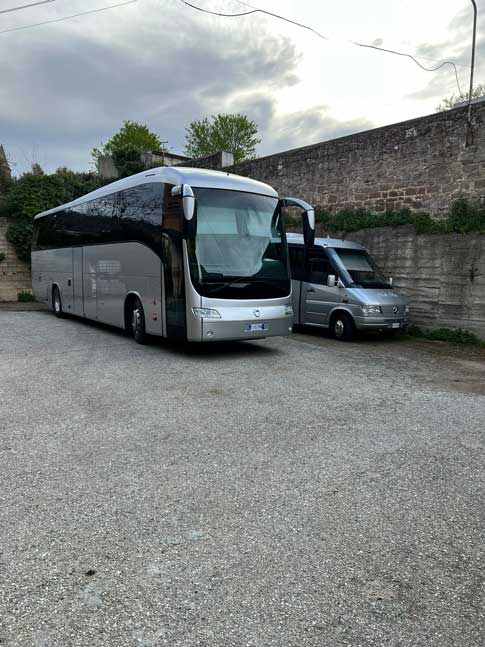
(56, 302)
(138, 322)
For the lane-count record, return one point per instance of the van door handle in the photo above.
(310, 290)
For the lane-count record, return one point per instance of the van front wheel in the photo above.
(342, 326)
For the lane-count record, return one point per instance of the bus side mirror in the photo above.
(190, 212)
(331, 281)
(308, 218)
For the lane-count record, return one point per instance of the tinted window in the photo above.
(297, 263)
(319, 267)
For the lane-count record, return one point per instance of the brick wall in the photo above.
(14, 274)
(420, 164)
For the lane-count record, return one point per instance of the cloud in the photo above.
(281, 132)
(457, 49)
(68, 87)
(65, 88)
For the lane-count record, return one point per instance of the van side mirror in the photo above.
(331, 281)
(390, 280)
(308, 218)
(189, 207)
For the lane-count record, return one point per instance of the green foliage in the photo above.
(132, 136)
(2, 257)
(128, 162)
(450, 335)
(234, 134)
(19, 234)
(463, 217)
(450, 102)
(35, 192)
(25, 297)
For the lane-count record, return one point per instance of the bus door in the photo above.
(173, 265)
(77, 281)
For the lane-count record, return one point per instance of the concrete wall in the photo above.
(420, 164)
(444, 275)
(14, 274)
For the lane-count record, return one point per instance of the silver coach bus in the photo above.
(337, 285)
(175, 252)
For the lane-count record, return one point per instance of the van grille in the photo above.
(388, 311)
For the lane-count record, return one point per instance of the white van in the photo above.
(337, 285)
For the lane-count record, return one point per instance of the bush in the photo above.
(35, 192)
(25, 297)
(450, 335)
(19, 233)
(462, 218)
(2, 257)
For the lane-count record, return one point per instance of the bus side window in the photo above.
(297, 263)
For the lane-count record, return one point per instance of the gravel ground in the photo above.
(286, 492)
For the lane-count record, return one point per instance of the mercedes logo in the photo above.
(257, 313)
(395, 310)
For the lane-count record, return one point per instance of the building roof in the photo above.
(195, 177)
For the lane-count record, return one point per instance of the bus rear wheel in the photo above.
(138, 328)
(56, 302)
(342, 326)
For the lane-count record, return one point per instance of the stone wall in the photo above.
(420, 164)
(14, 274)
(444, 275)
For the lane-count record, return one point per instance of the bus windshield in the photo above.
(240, 249)
(360, 268)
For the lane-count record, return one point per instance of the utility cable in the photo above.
(76, 15)
(298, 24)
(26, 6)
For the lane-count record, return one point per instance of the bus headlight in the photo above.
(288, 309)
(371, 310)
(206, 313)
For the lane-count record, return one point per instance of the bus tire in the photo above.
(56, 302)
(138, 327)
(342, 326)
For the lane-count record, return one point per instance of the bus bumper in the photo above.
(217, 330)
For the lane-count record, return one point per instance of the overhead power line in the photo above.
(26, 6)
(76, 15)
(253, 10)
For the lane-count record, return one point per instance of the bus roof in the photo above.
(297, 239)
(196, 177)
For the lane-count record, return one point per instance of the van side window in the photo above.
(319, 267)
(297, 263)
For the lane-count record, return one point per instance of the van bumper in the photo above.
(217, 330)
(381, 323)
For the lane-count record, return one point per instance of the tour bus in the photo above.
(337, 285)
(176, 252)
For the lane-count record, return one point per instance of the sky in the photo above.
(67, 87)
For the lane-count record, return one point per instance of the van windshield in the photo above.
(240, 247)
(360, 268)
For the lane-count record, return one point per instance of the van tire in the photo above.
(342, 326)
(56, 302)
(138, 328)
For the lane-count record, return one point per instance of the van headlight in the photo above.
(371, 310)
(288, 309)
(206, 313)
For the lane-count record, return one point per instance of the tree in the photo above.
(234, 134)
(132, 136)
(450, 102)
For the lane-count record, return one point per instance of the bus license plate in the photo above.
(256, 327)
